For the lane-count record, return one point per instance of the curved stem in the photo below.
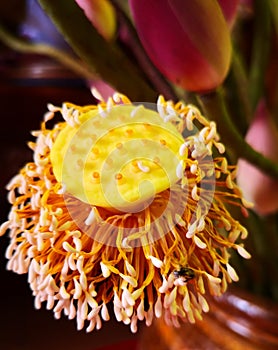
(273, 6)
(241, 81)
(111, 63)
(260, 50)
(214, 106)
(20, 45)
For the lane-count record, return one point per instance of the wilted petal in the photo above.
(188, 41)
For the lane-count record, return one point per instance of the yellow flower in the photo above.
(125, 204)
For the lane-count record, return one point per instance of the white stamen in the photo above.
(142, 167)
(78, 290)
(140, 310)
(136, 110)
(91, 217)
(91, 326)
(179, 220)
(109, 104)
(64, 294)
(156, 262)
(243, 252)
(133, 324)
(127, 296)
(102, 112)
(52, 108)
(160, 107)
(105, 270)
(68, 247)
(84, 310)
(183, 149)
(130, 269)
(4, 227)
(95, 92)
(158, 307)
(137, 293)
(149, 316)
(212, 279)
(232, 273)
(104, 313)
(203, 303)
(179, 170)
(199, 242)
(220, 147)
(194, 193)
(164, 287)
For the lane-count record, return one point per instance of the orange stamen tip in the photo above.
(129, 132)
(95, 175)
(118, 176)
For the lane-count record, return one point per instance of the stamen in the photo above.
(142, 167)
(180, 170)
(156, 262)
(90, 218)
(136, 110)
(232, 273)
(243, 252)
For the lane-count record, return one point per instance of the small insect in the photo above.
(185, 273)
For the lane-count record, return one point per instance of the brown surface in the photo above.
(23, 98)
(236, 321)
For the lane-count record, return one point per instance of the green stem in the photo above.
(273, 7)
(260, 51)
(20, 45)
(241, 82)
(105, 58)
(215, 108)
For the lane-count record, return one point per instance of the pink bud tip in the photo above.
(188, 41)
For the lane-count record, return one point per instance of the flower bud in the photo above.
(101, 14)
(257, 186)
(188, 41)
(229, 9)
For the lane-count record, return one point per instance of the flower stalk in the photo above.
(215, 107)
(260, 51)
(59, 55)
(105, 58)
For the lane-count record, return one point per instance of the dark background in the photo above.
(27, 84)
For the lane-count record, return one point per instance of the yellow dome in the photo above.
(118, 158)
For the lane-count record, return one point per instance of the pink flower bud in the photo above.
(188, 41)
(229, 9)
(101, 14)
(257, 187)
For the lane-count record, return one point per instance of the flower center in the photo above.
(118, 159)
